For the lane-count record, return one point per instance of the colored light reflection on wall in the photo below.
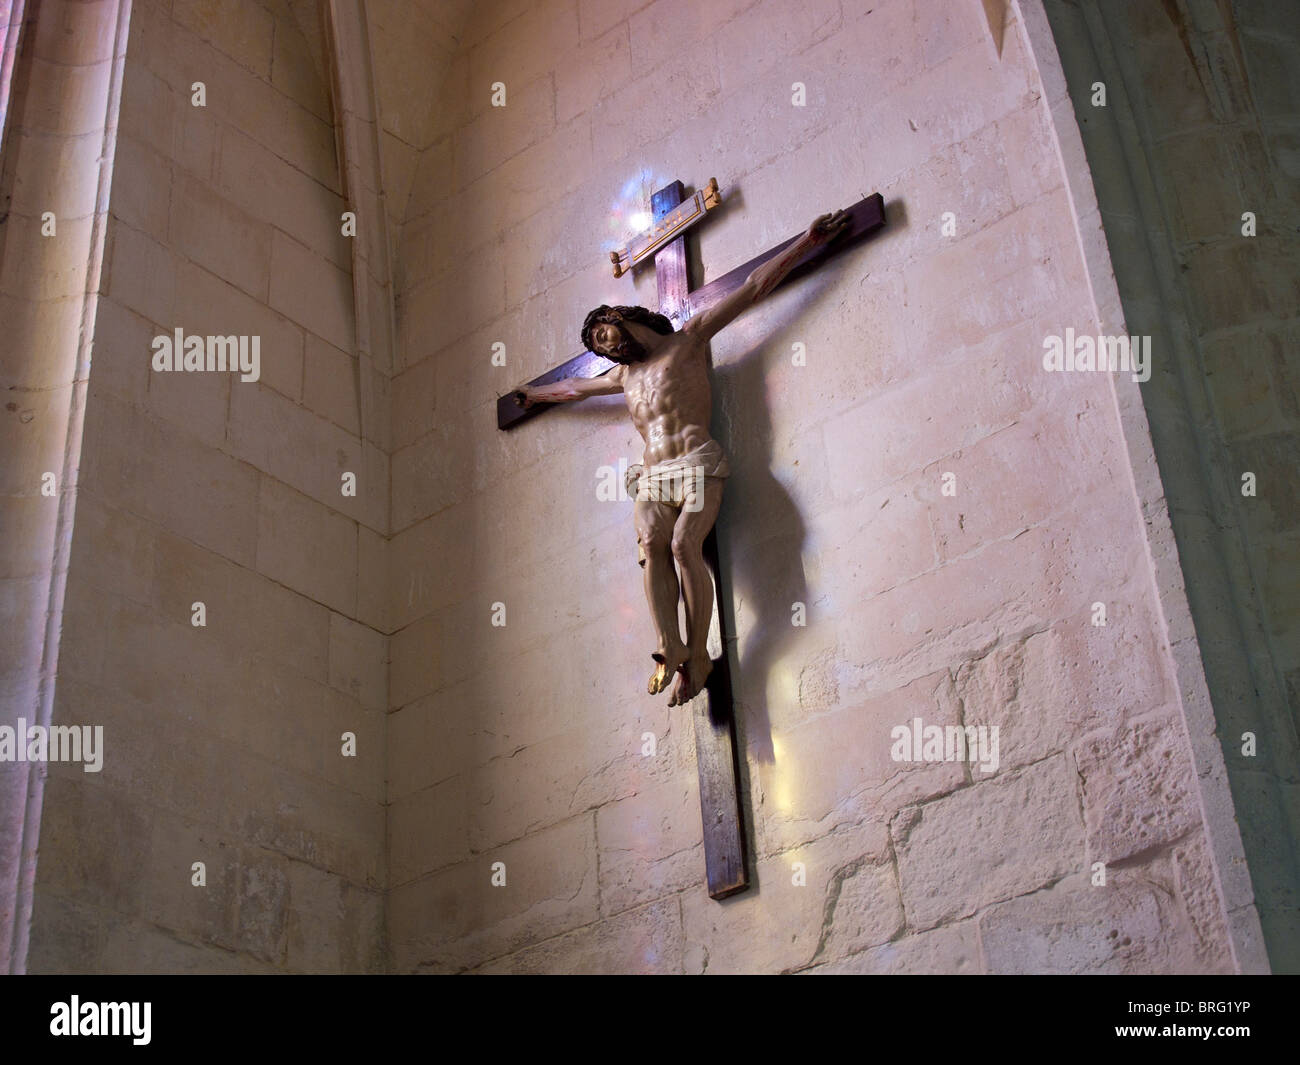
(629, 214)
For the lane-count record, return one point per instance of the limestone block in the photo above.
(965, 92)
(589, 71)
(863, 459)
(556, 239)
(541, 784)
(372, 579)
(1032, 167)
(141, 273)
(268, 188)
(643, 940)
(874, 545)
(524, 50)
(197, 403)
(431, 474)
(1262, 285)
(38, 267)
(401, 89)
(595, 17)
(687, 77)
(313, 821)
(305, 546)
(149, 107)
(415, 402)
(160, 474)
(429, 740)
(244, 34)
(1272, 459)
(33, 435)
(113, 550)
(433, 315)
(333, 925)
(1129, 926)
(261, 713)
(133, 947)
(241, 100)
(1139, 790)
(770, 35)
(837, 768)
(951, 949)
(74, 33)
(313, 292)
(455, 918)
(429, 829)
(871, 53)
(1017, 477)
(65, 936)
(924, 624)
(263, 905)
(329, 383)
(37, 157)
(1046, 689)
(399, 161)
(141, 182)
(293, 71)
(650, 843)
(432, 180)
(997, 839)
(415, 665)
(1194, 877)
(781, 926)
(65, 99)
(245, 610)
(358, 662)
(501, 132)
(943, 30)
(208, 913)
(1006, 258)
(41, 351)
(311, 454)
(93, 846)
(208, 306)
(210, 231)
(21, 599)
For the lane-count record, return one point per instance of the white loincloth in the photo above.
(677, 482)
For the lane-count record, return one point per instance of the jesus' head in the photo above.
(604, 332)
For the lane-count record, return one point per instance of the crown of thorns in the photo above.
(604, 313)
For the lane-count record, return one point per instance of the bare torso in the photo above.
(669, 398)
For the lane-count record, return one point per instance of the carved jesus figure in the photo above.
(664, 374)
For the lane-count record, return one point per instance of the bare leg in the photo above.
(697, 587)
(654, 523)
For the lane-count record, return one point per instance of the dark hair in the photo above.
(641, 315)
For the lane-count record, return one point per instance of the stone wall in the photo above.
(921, 523)
(222, 742)
(1201, 127)
(522, 743)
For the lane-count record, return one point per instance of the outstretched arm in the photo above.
(765, 278)
(571, 388)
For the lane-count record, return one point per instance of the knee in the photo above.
(686, 548)
(656, 541)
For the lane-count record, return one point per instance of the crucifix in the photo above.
(663, 371)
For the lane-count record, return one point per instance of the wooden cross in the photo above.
(715, 727)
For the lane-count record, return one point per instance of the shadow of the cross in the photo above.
(761, 531)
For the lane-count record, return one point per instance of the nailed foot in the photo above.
(669, 663)
(690, 681)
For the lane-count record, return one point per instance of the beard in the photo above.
(630, 349)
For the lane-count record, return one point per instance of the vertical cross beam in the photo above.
(715, 725)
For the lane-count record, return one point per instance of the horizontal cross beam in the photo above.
(865, 218)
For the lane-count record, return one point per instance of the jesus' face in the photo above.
(613, 341)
